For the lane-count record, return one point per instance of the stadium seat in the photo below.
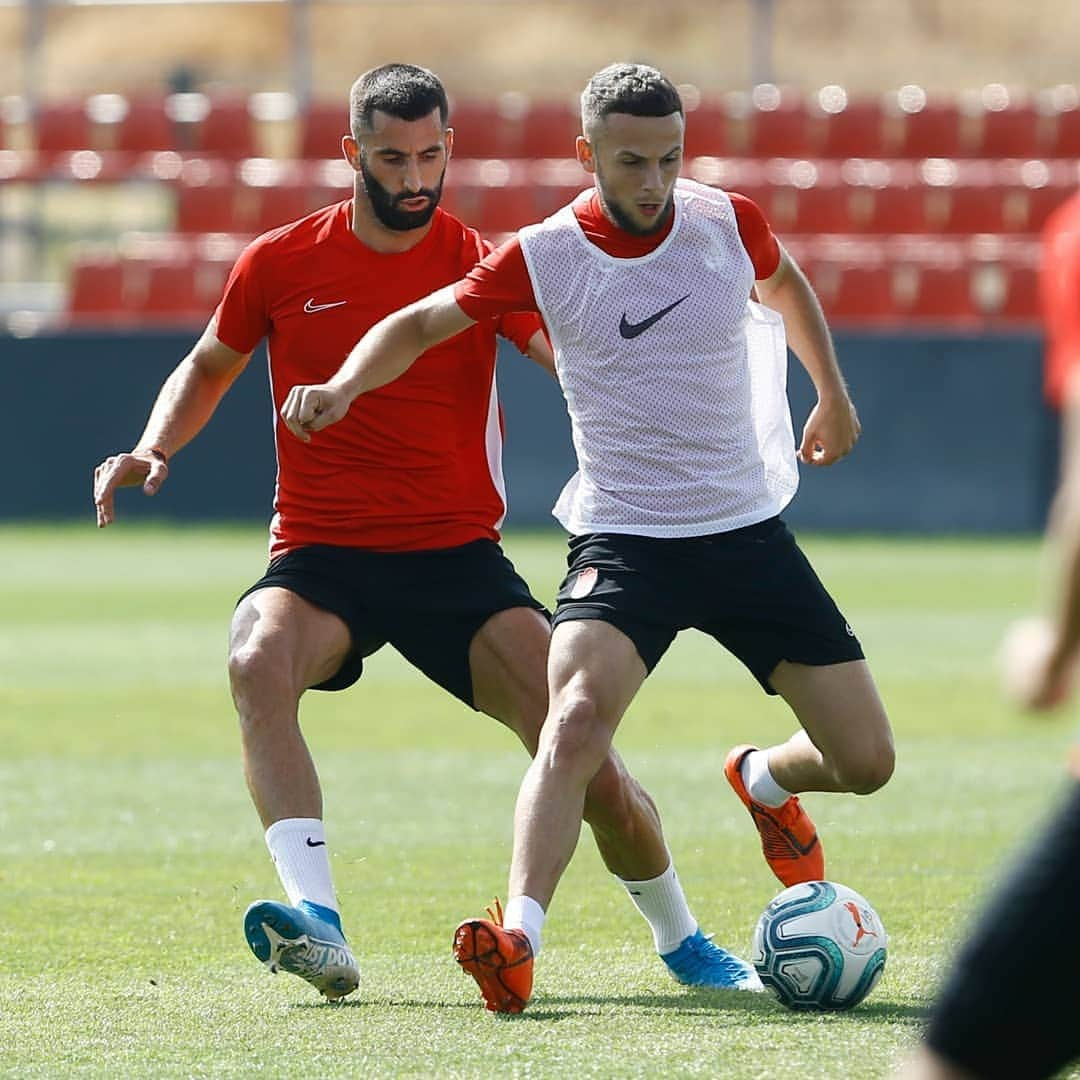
(60, 126)
(96, 292)
(895, 208)
(169, 294)
(938, 294)
(842, 127)
(263, 208)
(204, 208)
(707, 130)
(976, 208)
(322, 126)
(1059, 107)
(1042, 202)
(917, 126)
(549, 129)
(130, 125)
(822, 208)
(1005, 124)
(774, 123)
(220, 126)
(1015, 297)
(856, 294)
(493, 209)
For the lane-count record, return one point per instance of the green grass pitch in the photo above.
(129, 849)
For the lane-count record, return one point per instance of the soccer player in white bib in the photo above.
(666, 303)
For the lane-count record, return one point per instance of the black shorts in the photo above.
(751, 589)
(1008, 1008)
(427, 604)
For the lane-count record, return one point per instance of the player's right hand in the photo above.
(126, 470)
(312, 408)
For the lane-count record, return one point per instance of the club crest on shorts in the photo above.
(585, 582)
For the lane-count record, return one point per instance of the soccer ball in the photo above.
(819, 946)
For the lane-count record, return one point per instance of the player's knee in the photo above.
(574, 737)
(254, 671)
(869, 770)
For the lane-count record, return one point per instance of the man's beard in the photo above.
(625, 222)
(386, 206)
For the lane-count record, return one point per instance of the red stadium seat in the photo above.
(707, 131)
(841, 127)
(96, 292)
(138, 125)
(60, 126)
(217, 126)
(895, 208)
(819, 209)
(1042, 202)
(484, 129)
(776, 124)
(549, 129)
(169, 294)
(207, 208)
(1017, 296)
(1059, 109)
(976, 208)
(939, 294)
(322, 126)
(1006, 126)
(263, 208)
(918, 127)
(856, 294)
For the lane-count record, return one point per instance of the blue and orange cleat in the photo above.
(789, 840)
(698, 962)
(500, 960)
(305, 940)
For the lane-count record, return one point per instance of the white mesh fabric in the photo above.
(681, 427)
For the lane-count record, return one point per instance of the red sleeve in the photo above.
(242, 319)
(756, 235)
(497, 285)
(1060, 286)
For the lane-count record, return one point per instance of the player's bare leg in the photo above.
(508, 659)
(845, 745)
(280, 645)
(594, 673)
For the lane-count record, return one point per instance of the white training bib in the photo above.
(676, 383)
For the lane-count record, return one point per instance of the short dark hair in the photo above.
(636, 89)
(402, 90)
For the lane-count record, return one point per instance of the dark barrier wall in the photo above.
(956, 436)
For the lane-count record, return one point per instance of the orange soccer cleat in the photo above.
(500, 960)
(789, 840)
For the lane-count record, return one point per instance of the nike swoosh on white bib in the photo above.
(311, 306)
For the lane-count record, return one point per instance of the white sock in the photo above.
(298, 848)
(663, 904)
(524, 913)
(759, 781)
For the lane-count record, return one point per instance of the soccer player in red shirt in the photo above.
(385, 529)
(674, 381)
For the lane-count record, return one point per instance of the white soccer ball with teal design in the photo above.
(819, 946)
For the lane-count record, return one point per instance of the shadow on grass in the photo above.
(547, 1007)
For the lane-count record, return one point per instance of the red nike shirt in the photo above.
(416, 463)
(501, 282)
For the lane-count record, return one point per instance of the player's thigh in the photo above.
(508, 666)
(279, 636)
(839, 707)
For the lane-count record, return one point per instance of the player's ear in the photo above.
(351, 149)
(584, 151)
(449, 142)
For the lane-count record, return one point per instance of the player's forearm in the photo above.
(184, 404)
(807, 332)
(382, 355)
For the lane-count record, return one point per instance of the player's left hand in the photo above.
(831, 431)
(1035, 673)
(312, 408)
